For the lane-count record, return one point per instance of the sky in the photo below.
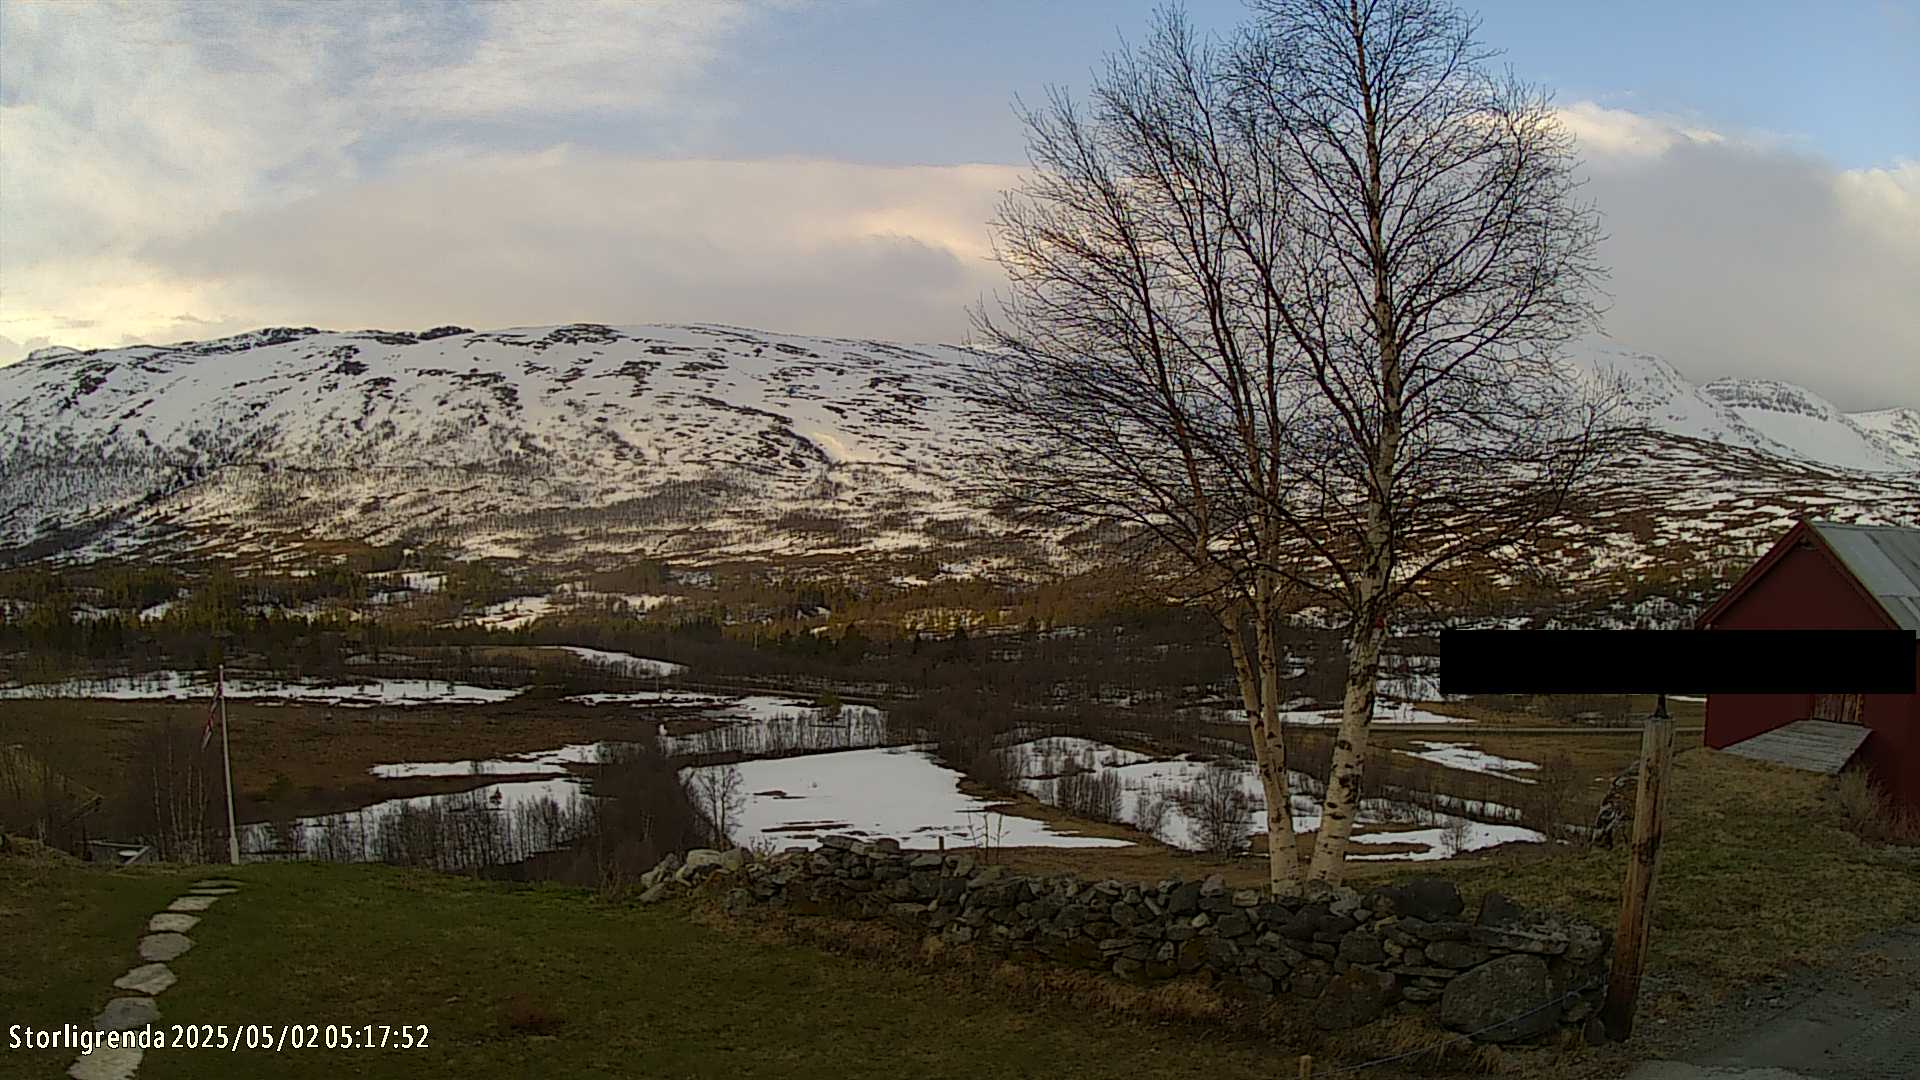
(178, 172)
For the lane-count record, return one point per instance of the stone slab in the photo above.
(172, 922)
(212, 890)
(127, 1014)
(147, 979)
(192, 903)
(164, 947)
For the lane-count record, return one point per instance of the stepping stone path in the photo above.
(163, 947)
(166, 939)
(147, 979)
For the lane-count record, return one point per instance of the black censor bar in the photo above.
(1677, 661)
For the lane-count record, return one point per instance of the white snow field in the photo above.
(624, 663)
(1152, 787)
(1471, 759)
(186, 686)
(898, 792)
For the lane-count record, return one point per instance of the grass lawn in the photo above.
(609, 990)
(1758, 876)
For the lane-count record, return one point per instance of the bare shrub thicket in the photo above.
(718, 794)
(1150, 813)
(1091, 794)
(1219, 807)
(170, 795)
(1553, 804)
(639, 812)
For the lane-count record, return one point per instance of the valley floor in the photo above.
(1759, 879)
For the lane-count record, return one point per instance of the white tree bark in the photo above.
(1260, 696)
(1342, 804)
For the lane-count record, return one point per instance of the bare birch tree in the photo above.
(1436, 256)
(1141, 365)
(1288, 307)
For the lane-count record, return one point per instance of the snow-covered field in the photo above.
(187, 686)
(1161, 793)
(1471, 759)
(898, 792)
(624, 663)
(543, 762)
(358, 832)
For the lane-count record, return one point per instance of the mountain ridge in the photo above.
(590, 441)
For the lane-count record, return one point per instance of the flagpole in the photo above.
(226, 758)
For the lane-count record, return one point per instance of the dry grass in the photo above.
(1871, 814)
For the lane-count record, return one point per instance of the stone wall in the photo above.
(1503, 973)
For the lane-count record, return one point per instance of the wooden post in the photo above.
(1636, 901)
(1306, 1067)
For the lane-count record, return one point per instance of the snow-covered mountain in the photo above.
(588, 442)
(1760, 414)
(1898, 429)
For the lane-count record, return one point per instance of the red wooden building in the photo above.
(1822, 576)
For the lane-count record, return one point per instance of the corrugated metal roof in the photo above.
(1884, 559)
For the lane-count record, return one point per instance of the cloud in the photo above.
(1744, 255)
(804, 246)
(191, 170)
(135, 123)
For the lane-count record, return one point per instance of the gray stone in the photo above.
(1275, 965)
(703, 857)
(1184, 899)
(1497, 910)
(1456, 954)
(929, 861)
(841, 843)
(662, 869)
(212, 890)
(164, 947)
(172, 922)
(107, 1063)
(1585, 944)
(1501, 1000)
(146, 979)
(126, 1014)
(732, 860)
(193, 903)
(1215, 885)
(1362, 948)
(660, 891)
(1357, 996)
(1543, 942)
(1233, 925)
(1246, 898)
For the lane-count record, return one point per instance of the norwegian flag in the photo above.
(213, 714)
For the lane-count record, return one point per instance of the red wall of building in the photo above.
(1804, 590)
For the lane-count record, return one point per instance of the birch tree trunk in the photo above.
(1259, 695)
(1342, 803)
